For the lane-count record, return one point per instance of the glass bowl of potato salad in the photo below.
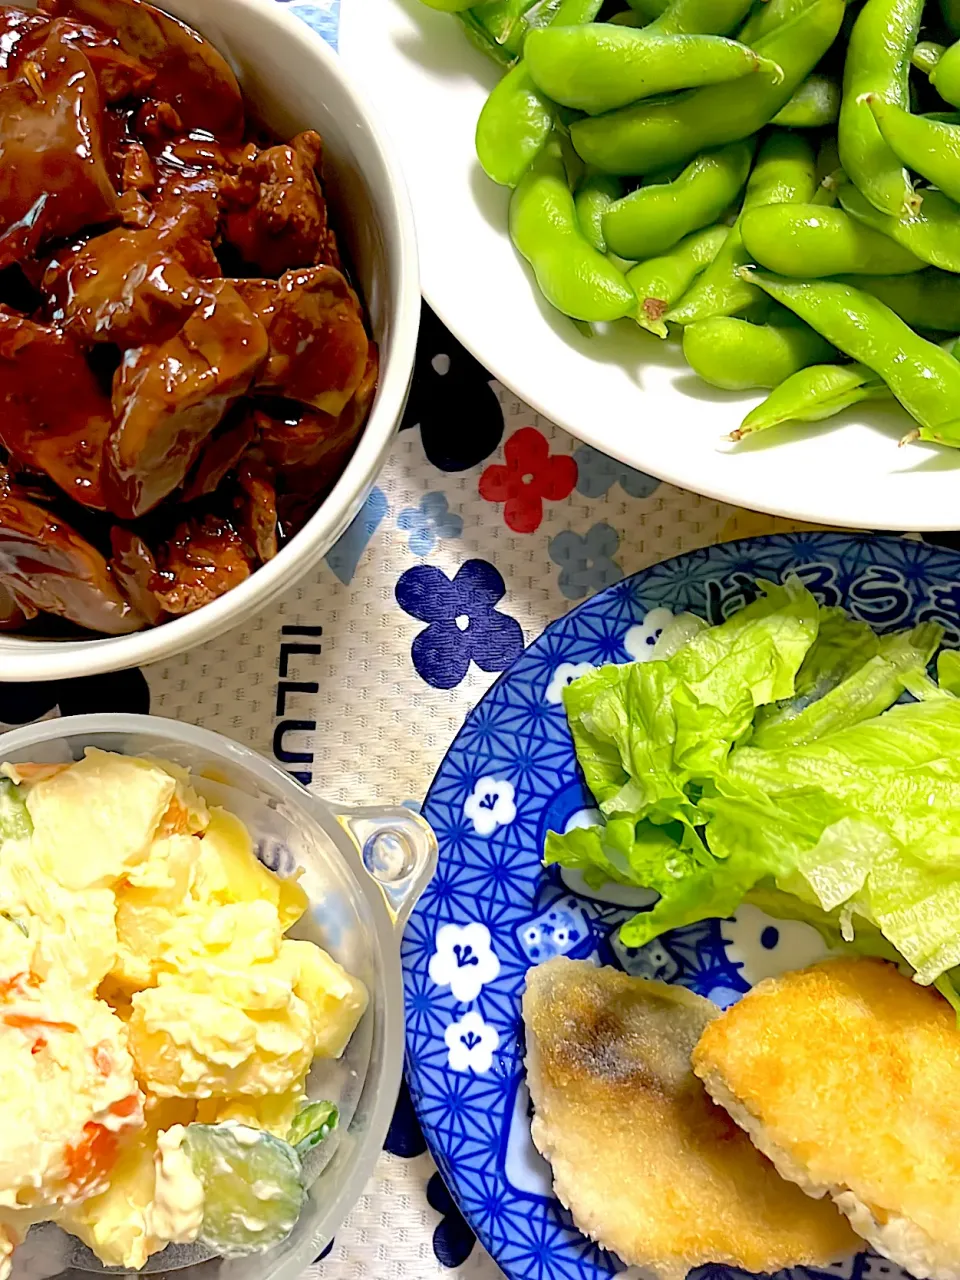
(201, 1012)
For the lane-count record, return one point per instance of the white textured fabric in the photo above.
(381, 730)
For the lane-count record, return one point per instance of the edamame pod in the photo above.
(498, 27)
(784, 171)
(810, 240)
(815, 104)
(659, 282)
(877, 62)
(448, 6)
(648, 221)
(945, 75)
(736, 356)
(594, 197)
(930, 148)
(517, 118)
(924, 378)
(933, 233)
(601, 67)
(648, 10)
(650, 135)
(707, 17)
(927, 299)
(571, 273)
(812, 394)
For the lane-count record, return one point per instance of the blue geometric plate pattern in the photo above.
(492, 910)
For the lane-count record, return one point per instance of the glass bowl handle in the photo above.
(398, 851)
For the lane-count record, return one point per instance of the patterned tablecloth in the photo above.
(486, 523)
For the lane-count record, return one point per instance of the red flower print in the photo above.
(529, 476)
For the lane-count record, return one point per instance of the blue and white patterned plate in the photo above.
(492, 910)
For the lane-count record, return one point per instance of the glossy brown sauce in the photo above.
(184, 365)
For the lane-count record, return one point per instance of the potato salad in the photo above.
(157, 1024)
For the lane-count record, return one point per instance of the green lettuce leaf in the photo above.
(764, 760)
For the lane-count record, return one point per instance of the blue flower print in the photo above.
(453, 1240)
(464, 624)
(431, 520)
(597, 472)
(586, 561)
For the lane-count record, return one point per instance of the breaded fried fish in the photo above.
(847, 1075)
(646, 1163)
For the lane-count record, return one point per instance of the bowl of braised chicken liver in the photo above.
(208, 316)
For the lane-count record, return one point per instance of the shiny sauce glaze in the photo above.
(185, 366)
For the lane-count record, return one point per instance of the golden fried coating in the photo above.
(847, 1075)
(646, 1163)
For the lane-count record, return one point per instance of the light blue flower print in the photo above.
(597, 473)
(431, 520)
(586, 560)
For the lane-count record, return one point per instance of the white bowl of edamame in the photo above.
(621, 387)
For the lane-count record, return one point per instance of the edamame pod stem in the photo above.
(926, 54)
(648, 221)
(945, 75)
(517, 118)
(571, 273)
(736, 356)
(933, 233)
(924, 378)
(707, 17)
(877, 62)
(814, 105)
(812, 394)
(594, 197)
(659, 282)
(927, 299)
(784, 171)
(601, 67)
(808, 240)
(930, 148)
(651, 135)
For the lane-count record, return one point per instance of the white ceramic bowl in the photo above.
(294, 81)
(363, 870)
(621, 390)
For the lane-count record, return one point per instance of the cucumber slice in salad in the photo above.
(252, 1186)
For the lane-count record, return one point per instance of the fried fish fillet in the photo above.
(847, 1075)
(646, 1163)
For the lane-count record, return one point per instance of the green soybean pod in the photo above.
(648, 10)
(933, 233)
(945, 75)
(877, 62)
(923, 377)
(928, 299)
(812, 240)
(599, 67)
(571, 273)
(812, 394)
(736, 355)
(814, 105)
(707, 17)
(766, 17)
(595, 194)
(517, 118)
(784, 171)
(650, 135)
(930, 148)
(648, 221)
(659, 282)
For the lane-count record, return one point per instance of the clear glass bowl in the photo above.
(363, 871)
